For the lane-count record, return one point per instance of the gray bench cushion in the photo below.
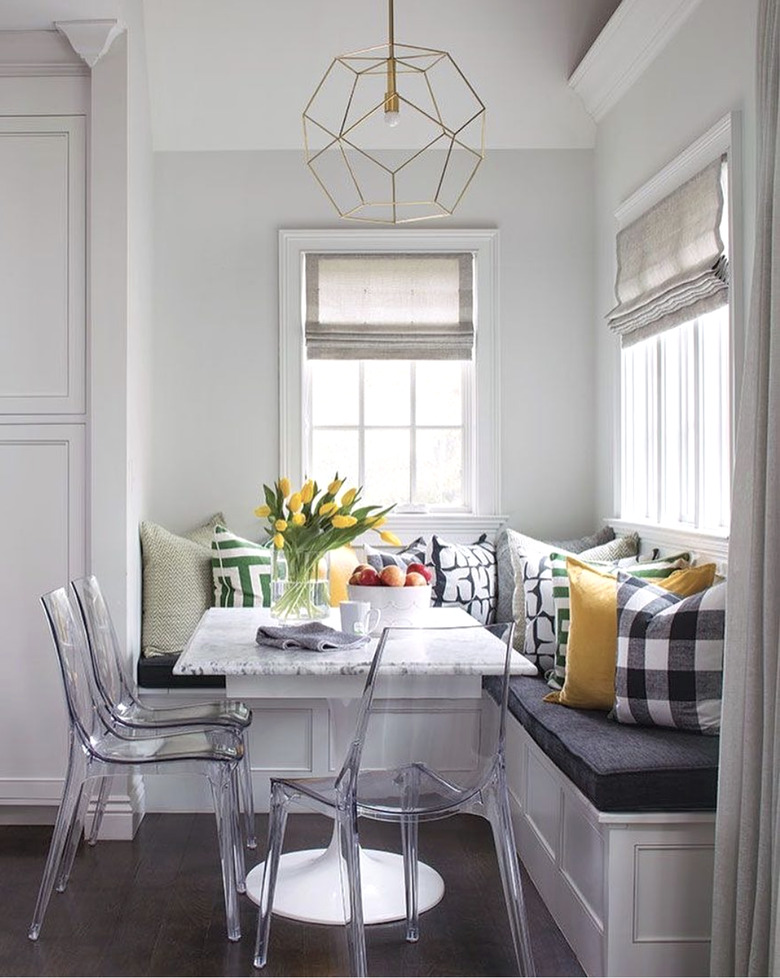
(620, 768)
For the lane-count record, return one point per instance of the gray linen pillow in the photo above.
(177, 585)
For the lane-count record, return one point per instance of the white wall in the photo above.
(214, 363)
(706, 71)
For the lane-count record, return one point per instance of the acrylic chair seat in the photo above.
(98, 752)
(407, 773)
(126, 710)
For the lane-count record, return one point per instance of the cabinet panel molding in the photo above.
(43, 264)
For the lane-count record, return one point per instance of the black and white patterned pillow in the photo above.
(535, 573)
(465, 577)
(413, 553)
(669, 656)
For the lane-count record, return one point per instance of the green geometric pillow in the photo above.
(241, 570)
(657, 569)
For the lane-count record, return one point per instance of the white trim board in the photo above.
(632, 39)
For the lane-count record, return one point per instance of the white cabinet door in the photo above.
(42, 498)
(42, 264)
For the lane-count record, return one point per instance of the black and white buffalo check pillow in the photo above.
(465, 577)
(669, 656)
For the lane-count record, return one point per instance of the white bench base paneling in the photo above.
(631, 892)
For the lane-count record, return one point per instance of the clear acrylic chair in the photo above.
(125, 710)
(400, 768)
(97, 752)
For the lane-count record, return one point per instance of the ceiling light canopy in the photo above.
(394, 133)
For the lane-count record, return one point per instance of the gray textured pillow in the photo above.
(177, 585)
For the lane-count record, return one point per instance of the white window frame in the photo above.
(485, 470)
(722, 138)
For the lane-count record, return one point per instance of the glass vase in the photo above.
(300, 589)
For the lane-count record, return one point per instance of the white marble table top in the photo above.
(224, 644)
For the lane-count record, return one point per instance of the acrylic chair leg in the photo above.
(352, 892)
(100, 810)
(247, 796)
(409, 824)
(75, 833)
(497, 806)
(238, 847)
(277, 821)
(65, 816)
(223, 802)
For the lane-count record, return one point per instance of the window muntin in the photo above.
(401, 428)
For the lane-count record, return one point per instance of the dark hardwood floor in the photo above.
(154, 907)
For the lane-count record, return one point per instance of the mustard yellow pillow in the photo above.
(592, 645)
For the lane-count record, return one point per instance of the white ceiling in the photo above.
(236, 74)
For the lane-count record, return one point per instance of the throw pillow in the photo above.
(540, 645)
(589, 682)
(464, 576)
(653, 570)
(508, 543)
(413, 553)
(241, 571)
(176, 587)
(670, 657)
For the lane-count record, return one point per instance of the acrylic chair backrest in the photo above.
(449, 752)
(107, 660)
(70, 642)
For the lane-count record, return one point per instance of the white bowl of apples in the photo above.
(400, 595)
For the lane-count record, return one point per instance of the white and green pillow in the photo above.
(648, 570)
(241, 571)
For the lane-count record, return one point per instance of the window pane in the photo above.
(439, 461)
(439, 398)
(334, 451)
(334, 392)
(387, 392)
(387, 466)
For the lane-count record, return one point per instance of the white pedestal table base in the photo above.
(308, 886)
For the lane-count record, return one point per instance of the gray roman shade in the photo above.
(389, 306)
(672, 265)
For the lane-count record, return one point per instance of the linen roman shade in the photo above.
(672, 265)
(389, 306)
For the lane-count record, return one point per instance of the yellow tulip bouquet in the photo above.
(304, 527)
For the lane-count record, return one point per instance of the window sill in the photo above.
(712, 545)
(455, 527)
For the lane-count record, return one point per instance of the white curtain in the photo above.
(746, 903)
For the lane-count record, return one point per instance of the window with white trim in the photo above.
(389, 369)
(673, 318)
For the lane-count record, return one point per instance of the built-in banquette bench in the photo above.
(615, 825)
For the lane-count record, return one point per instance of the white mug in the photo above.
(358, 618)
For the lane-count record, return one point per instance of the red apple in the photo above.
(413, 579)
(420, 569)
(392, 576)
(365, 576)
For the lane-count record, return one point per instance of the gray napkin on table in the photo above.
(313, 635)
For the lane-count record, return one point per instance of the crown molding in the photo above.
(633, 37)
(90, 39)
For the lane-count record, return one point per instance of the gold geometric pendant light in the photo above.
(394, 133)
